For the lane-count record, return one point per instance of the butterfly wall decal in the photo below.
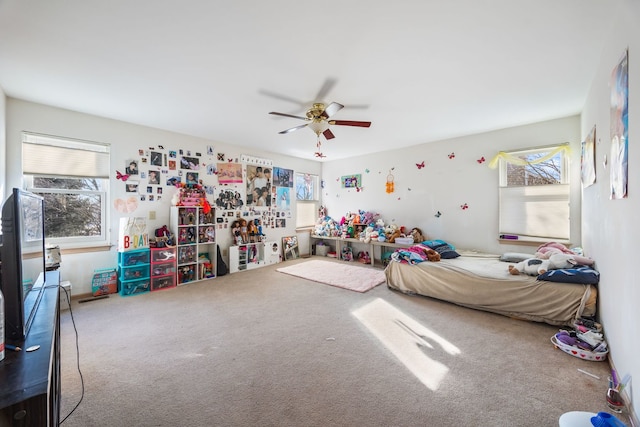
(464, 207)
(319, 154)
(121, 176)
(438, 214)
(420, 165)
(452, 155)
(481, 160)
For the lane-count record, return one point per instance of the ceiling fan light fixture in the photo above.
(318, 126)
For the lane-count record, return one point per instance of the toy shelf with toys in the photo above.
(247, 256)
(377, 251)
(360, 237)
(195, 242)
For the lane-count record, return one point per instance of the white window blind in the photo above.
(305, 214)
(55, 156)
(536, 211)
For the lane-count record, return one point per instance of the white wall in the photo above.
(608, 227)
(445, 184)
(125, 140)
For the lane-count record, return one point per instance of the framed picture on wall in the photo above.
(290, 247)
(306, 186)
(351, 181)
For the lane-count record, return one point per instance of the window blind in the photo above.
(305, 214)
(536, 211)
(56, 156)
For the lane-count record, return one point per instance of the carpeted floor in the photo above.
(262, 348)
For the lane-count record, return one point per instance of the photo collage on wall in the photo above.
(156, 172)
(249, 191)
(246, 187)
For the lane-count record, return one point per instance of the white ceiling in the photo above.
(419, 70)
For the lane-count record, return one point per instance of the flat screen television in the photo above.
(23, 260)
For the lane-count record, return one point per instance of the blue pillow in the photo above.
(446, 251)
(433, 243)
(581, 274)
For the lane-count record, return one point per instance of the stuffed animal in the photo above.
(392, 231)
(417, 235)
(546, 250)
(432, 255)
(537, 266)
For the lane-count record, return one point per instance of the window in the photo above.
(73, 178)
(534, 193)
(306, 199)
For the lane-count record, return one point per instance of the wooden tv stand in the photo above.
(30, 381)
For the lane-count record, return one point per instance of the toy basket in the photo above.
(578, 352)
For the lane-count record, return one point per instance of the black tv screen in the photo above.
(23, 260)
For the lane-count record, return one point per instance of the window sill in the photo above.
(85, 249)
(529, 241)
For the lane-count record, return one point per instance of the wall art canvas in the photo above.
(229, 173)
(619, 123)
(258, 185)
(351, 181)
(588, 159)
(283, 177)
(306, 186)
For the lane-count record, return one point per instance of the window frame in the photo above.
(537, 197)
(42, 155)
(307, 204)
(77, 241)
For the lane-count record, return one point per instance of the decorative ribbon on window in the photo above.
(509, 158)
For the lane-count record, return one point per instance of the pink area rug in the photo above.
(340, 274)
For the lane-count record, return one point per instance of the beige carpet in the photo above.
(265, 349)
(342, 275)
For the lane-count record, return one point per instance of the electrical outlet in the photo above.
(152, 214)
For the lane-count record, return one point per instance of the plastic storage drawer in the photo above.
(164, 282)
(163, 254)
(134, 287)
(128, 259)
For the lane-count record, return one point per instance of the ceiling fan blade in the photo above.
(288, 115)
(328, 134)
(281, 97)
(294, 128)
(328, 84)
(331, 109)
(350, 123)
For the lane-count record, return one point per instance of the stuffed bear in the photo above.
(417, 235)
(432, 255)
(537, 266)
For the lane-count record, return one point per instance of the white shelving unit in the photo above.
(253, 255)
(196, 244)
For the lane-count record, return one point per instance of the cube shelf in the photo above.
(196, 243)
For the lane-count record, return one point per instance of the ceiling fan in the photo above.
(317, 119)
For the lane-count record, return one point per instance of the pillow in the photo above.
(515, 256)
(581, 274)
(446, 251)
(433, 243)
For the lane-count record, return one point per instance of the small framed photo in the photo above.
(351, 181)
